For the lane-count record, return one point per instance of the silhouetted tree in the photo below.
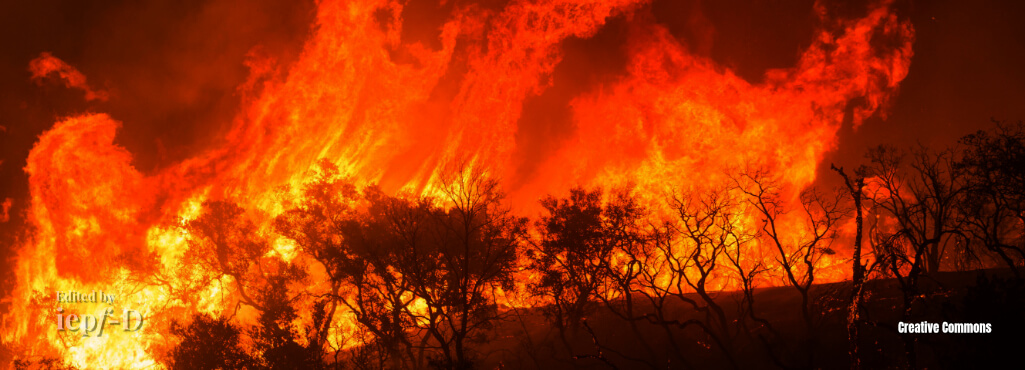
(624, 229)
(855, 189)
(706, 226)
(366, 242)
(473, 252)
(391, 242)
(224, 242)
(209, 343)
(569, 257)
(800, 248)
(326, 205)
(993, 209)
(274, 336)
(921, 197)
(915, 205)
(589, 251)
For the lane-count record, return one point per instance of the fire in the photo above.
(403, 114)
(47, 65)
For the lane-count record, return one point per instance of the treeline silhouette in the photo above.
(425, 278)
(458, 281)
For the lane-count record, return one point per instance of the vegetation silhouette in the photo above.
(607, 279)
